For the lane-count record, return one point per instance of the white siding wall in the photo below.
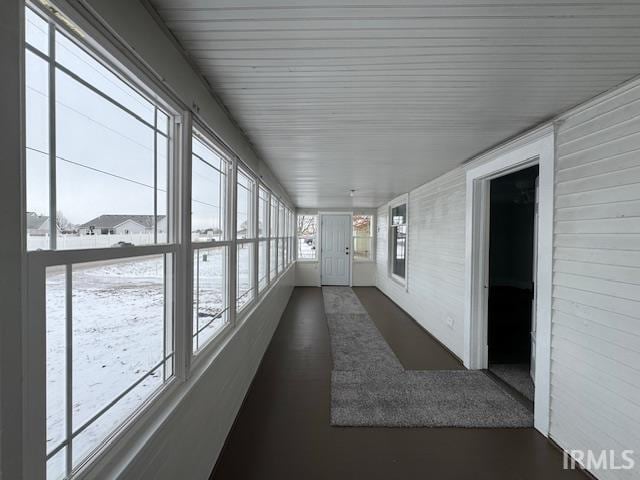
(595, 370)
(308, 274)
(363, 274)
(435, 269)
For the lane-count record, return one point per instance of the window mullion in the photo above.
(183, 278)
(69, 367)
(53, 232)
(256, 234)
(155, 175)
(232, 220)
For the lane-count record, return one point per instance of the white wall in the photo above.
(308, 274)
(435, 259)
(595, 372)
(595, 368)
(11, 13)
(363, 273)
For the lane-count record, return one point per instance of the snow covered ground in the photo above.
(306, 250)
(118, 333)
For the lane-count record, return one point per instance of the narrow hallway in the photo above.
(283, 425)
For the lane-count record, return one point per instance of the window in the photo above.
(399, 241)
(106, 180)
(307, 237)
(211, 309)
(109, 163)
(118, 319)
(273, 235)
(273, 254)
(246, 239)
(281, 237)
(209, 198)
(362, 237)
(244, 206)
(263, 234)
(290, 230)
(263, 265)
(103, 170)
(209, 169)
(263, 213)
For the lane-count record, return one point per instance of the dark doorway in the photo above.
(511, 313)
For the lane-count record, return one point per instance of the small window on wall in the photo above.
(399, 241)
(362, 237)
(307, 237)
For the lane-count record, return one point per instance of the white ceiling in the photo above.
(381, 95)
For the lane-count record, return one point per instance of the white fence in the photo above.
(69, 242)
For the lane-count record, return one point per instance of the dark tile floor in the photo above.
(283, 432)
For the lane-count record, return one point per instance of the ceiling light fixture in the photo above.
(352, 193)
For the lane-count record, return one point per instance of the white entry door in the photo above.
(335, 251)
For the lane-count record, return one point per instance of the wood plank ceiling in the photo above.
(381, 96)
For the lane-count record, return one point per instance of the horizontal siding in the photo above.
(595, 368)
(435, 270)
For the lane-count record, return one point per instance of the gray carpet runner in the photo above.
(369, 386)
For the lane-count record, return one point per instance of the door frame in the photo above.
(350, 263)
(541, 151)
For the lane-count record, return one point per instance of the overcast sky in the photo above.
(105, 156)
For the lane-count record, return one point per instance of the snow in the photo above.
(118, 336)
(306, 249)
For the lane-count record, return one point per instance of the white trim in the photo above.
(539, 151)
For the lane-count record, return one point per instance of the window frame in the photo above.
(264, 238)
(402, 200)
(274, 209)
(188, 366)
(252, 239)
(37, 262)
(209, 140)
(371, 237)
